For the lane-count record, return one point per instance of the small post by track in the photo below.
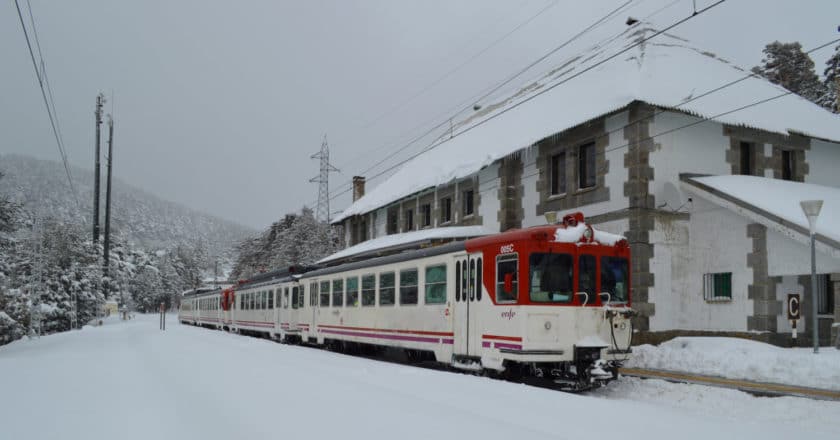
(162, 316)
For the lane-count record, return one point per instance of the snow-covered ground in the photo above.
(742, 359)
(129, 380)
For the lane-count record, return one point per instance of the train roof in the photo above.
(274, 276)
(390, 259)
(394, 243)
(201, 291)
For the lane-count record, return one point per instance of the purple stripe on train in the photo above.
(376, 336)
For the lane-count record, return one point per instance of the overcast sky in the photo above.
(219, 104)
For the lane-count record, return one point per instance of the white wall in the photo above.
(823, 163)
(714, 240)
(786, 256)
(488, 187)
(697, 149)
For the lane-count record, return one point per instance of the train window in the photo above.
(297, 299)
(313, 293)
(614, 278)
(369, 290)
(325, 294)
(587, 277)
(478, 282)
(353, 292)
(457, 281)
(507, 286)
(551, 278)
(271, 300)
(263, 299)
(285, 297)
(386, 289)
(436, 284)
(408, 287)
(338, 293)
(464, 276)
(252, 301)
(472, 280)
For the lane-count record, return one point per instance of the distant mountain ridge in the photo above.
(138, 216)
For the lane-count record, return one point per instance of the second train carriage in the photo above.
(549, 301)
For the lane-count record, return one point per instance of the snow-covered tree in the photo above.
(832, 72)
(297, 239)
(787, 65)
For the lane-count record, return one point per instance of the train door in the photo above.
(467, 283)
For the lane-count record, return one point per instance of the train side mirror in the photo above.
(509, 282)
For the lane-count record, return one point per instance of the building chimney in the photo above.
(358, 187)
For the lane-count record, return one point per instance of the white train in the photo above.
(543, 303)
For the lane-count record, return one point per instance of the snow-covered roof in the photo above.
(779, 200)
(665, 71)
(389, 242)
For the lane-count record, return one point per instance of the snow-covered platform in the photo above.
(129, 380)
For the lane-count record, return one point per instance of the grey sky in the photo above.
(218, 105)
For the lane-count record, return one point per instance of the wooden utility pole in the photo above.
(108, 194)
(100, 101)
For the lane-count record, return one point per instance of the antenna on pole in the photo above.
(322, 212)
(100, 101)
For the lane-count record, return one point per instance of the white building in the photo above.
(626, 141)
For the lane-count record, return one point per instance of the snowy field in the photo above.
(129, 380)
(742, 359)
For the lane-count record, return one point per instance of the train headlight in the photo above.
(548, 325)
(623, 326)
(587, 233)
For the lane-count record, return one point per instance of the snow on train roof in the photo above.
(395, 240)
(573, 234)
(665, 71)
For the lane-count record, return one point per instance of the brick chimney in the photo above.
(358, 187)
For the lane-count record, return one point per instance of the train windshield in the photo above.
(551, 278)
(614, 279)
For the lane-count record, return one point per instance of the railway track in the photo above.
(756, 388)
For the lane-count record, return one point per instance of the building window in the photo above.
(787, 165)
(392, 221)
(586, 166)
(409, 220)
(368, 290)
(506, 278)
(446, 210)
(558, 173)
(325, 293)
(386, 289)
(426, 214)
(825, 295)
(436, 284)
(408, 286)
(717, 286)
(468, 207)
(747, 162)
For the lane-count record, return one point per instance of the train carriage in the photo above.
(548, 302)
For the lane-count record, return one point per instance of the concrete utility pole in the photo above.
(108, 195)
(100, 101)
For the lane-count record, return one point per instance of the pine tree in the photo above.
(787, 65)
(832, 73)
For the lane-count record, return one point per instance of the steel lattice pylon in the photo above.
(322, 211)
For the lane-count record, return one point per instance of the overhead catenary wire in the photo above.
(457, 68)
(44, 87)
(545, 90)
(468, 103)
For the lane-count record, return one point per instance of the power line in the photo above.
(547, 89)
(50, 110)
(459, 66)
(466, 105)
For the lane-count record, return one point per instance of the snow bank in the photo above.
(743, 359)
